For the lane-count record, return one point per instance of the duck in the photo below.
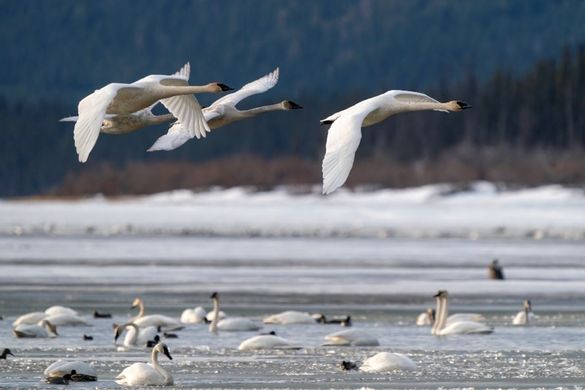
(224, 112)
(147, 374)
(172, 91)
(143, 321)
(5, 354)
(78, 371)
(229, 324)
(524, 316)
(441, 328)
(266, 341)
(290, 317)
(382, 362)
(321, 319)
(43, 329)
(345, 133)
(135, 336)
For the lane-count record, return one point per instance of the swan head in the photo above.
(431, 313)
(219, 87)
(441, 294)
(458, 105)
(162, 348)
(290, 105)
(52, 328)
(136, 303)
(215, 295)
(527, 305)
(118, 329)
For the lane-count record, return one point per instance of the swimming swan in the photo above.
(147, 374)
(441, 328)
(135, 336)
(223, 112)
(230, 324)
(156, 320)
(193, 316)
(173, 92)
(351, 337)
(83, 371)
(290, 317)
(266, 341)
(41, 330)
(525, 316)
(426, 318)
(383, 362)
(345, 132)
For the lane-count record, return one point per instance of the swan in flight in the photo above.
(383, 362)
(41, 330)
(223, 112)
(441, 328)
(79, 371)
(525, 316)
(156, 320)
(135, 336)
(345, 132)
(351, 337)
(290, 317)
(193, 316)
(147, 374)
(266, 341)
(229, 324)
(172, 91)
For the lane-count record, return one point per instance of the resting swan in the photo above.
(193, 316)
(351, 337)
(230, 324)
(41, 330)
(290, 317)
(30, 318)
(441, 328)
(383, 362)
(345, 132)
(223, 112)
(173, 92)
(135, 336)
(525, 316)
(156, 320)
(83, 372)
(147, 374)
(266, 341)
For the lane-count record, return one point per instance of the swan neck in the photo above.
(427, 106)
(157, 119)
(156, 366)
(213, 326)
(438, 318)
(171, 90)
(444, 313)
(262, 109)
(133, 335)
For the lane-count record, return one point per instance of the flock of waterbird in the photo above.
(144, 332)
(122, 108)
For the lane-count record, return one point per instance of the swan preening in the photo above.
(59, 313)
(524, 316)
(223, 112)
(156, 320)
(147, 374)
(193, 316)
(124, 100)
(76, 371)
(345, 132)
(382, 362)
(43, 329)
(461, 326)
(426, 318)
(135, 336)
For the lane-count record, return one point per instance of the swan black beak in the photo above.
(167, 353)
(224, 87)
(463, 105)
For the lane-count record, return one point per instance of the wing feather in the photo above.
(255, 87)
(187, 110)
(174, 138)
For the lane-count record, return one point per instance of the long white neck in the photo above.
(213, 325)
(140, 311)
(132, 337)
(426, 106)
(444, 313)
(261, 109)
(154, 361)
(175, 90)
(437, 322)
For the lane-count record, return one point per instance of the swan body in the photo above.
(388, 361)
(266, 341)
(525, 316)
(351, 337)
(235, 324)
(441, 328)
(30, 318)
(345, 134)
(426, 318)
(43, 329)
(156, 320)
(290, 317)
(60, 310)
(83, 371)
(147, 374)
(135, 336)
(475, 317)
(193, 316)
(66, 320)
(223, 112)
(209, 317)
(173, 92)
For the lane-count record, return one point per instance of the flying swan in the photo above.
(345, 132)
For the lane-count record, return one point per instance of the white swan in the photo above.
(223, 112)
(66, 320)
(83, 371)
(60, 310)
(290, 317)
(230, 324)
(156, 320)
(173, 92)
(135, 336)
(388, 361)
(351, 337)
(525, 316)
(266, 341)
(441, 328)
(426, 318)
(41, 330)
(345, 133)
(147, 374)
(30, 318)
(193, 316)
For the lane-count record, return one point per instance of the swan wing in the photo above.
(174, 138)
(255, 87)
(410, 97)
(69, 119)
(187, 110)
(92, 110)
(343, 140)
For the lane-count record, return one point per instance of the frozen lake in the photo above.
(375, 256)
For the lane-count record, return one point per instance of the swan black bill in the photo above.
(463, 105)
(225, 87)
